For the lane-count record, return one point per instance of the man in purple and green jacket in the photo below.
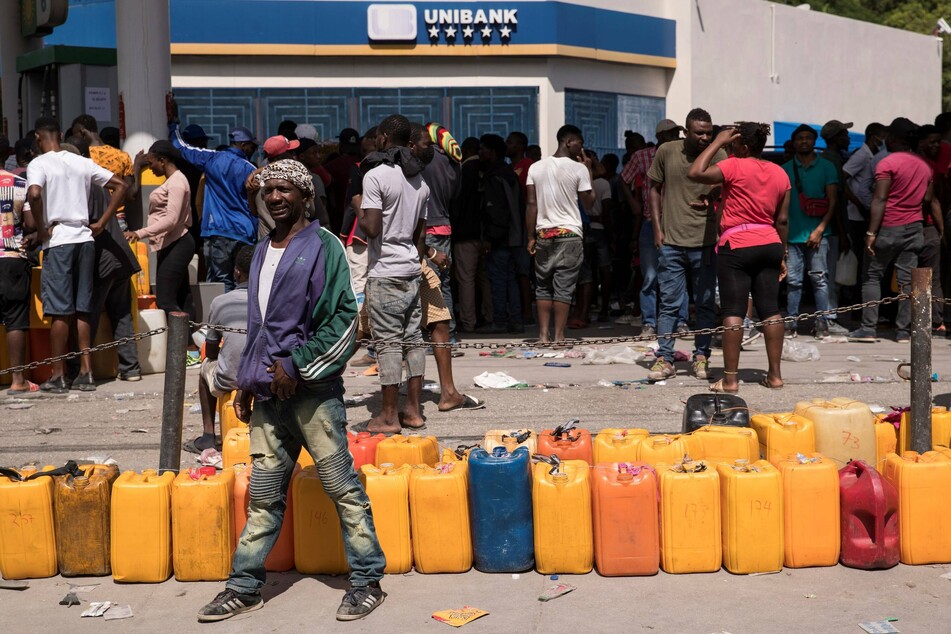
(302, 323)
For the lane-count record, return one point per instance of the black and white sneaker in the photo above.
(227, 604)
(358, 602)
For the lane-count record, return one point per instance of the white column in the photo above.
(12, 44)
(144, 69)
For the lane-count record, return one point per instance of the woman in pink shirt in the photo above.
(751, 251)
(170, 216)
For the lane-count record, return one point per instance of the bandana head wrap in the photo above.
(291, 171)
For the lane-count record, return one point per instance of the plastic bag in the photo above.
(799, 351)
(614, 354)
(847, 269)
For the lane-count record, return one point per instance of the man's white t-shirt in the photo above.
(272, 257)
(403, 202)
(602, 191)
(558, 181)
(66, 179)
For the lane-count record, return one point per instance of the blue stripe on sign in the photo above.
(92, 23)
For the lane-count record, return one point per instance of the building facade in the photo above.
(499, 66)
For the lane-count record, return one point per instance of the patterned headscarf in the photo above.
(289, 170)
(443, 139)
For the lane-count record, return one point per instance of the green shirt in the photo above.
(814, 178)
(683, 225)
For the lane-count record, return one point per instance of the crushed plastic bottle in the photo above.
(799, 351)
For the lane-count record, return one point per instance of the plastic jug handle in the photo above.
(878, 494)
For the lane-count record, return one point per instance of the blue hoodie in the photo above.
(311, 320)
(225, 212)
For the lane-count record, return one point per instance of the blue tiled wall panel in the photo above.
(603, 117)
(465, 111)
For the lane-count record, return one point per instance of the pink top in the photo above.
(752, 192)
(910, 176)
(170, 212)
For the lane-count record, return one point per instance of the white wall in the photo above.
(810, 67)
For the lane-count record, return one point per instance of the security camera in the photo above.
(942, 26)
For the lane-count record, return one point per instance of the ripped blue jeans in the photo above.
(313, 419)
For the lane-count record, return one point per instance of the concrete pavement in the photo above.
(82, 425)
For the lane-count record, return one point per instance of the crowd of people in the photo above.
(403, 235)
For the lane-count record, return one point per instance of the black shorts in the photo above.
(15, 293)
(68, 272)
(749, 270)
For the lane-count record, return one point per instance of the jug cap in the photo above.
(559, 476)
(208, 471)
(386, 465)
(80, 482)
(149, 472)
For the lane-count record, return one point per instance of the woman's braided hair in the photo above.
(753, 135)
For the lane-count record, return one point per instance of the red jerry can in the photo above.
(869, 506)
(363, 448)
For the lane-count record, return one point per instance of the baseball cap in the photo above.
(277, 145)
(666, 126)
(306, 131)
(804, 128)
(833, 128)
(241, 134)
(901, 127)
(349, 139)
(194, 132)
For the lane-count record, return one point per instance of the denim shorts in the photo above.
(67, 279)
(557, 263)
(395, 313)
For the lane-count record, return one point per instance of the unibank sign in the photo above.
(477, 25)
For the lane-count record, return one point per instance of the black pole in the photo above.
(170, 454)
(920, 360)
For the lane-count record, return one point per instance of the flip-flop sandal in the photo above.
(468, 402)
(365, 426)
(765, 383)
(411, 427)
(373, 370)
(29, 389)
(718, 388)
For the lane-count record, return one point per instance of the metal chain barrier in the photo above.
(495, 345)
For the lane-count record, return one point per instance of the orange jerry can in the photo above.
(924, 515)
(439, 515)
(617, 445)
(388, 489)
(567, 442)
(690, 536)
(142, 527)
(561, 505)
(236, 448)
(318, 538)
(664, 449)
(751, 503)
(203, 524)
(27, 534)
(281, 557)
(81, 507)
(722, 443)
(624, 505)
(409, 449)
(363, 447)
(811, 520)
(783, 435)
(511, 439)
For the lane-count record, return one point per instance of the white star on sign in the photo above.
(487, 32)
(434, 32)
(450, 32)
(505, 31)
(467, 32)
